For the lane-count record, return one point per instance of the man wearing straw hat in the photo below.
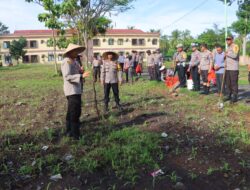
(110, 79)
(72, 89)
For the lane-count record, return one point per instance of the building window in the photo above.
(60, 57)
(111, 41)
(120, 42)
(134, 42)
(33, 44)
(96, 42)
(7, 59)
(26, 59)
(34, 59)
(154, 41)
(50, 57)
(141, 42)
(6, 45)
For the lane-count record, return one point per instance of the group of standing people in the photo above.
(225, 64)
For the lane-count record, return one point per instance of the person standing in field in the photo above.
(219, 67)
(72, 89)
(206, 64)
(121, 60)
(194, 66)
(110, 79)
(180, 58)
(232, 57)
(158, 64)
(128, 68)
(150, 64)
(96, 64)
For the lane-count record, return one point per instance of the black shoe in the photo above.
(119, 107)
(228, 98)
(204, 90)
(234, 99)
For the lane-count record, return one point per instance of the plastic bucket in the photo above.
(190, 84)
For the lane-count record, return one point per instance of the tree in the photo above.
(17, 48)
(3, 29)
(155, 31)
(51, 18)
(242, 26)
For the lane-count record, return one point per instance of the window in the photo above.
(111, 41)
(155, 42)
(34, 59)
(6, 45)
(60, 57)
(7, 59)
(33, 44)
(134, 42)
(50, 57)
(141, 42)
(96, 42)
(26, 59)
(120, 42)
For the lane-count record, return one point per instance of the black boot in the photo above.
(207, 90)
(228, 98)
(119, 107)
(204, 90)
(75, 130)
(234, 99)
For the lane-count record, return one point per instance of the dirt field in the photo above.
(204, 148)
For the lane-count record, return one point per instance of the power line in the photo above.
(188, 13)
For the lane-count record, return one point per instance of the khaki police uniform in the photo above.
(150, 65)
(180, 59)
(194, 68)
(110, 79)
(232, 71)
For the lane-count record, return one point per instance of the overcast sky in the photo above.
(146, 14)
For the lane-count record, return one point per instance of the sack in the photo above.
(172, 81)
(212, 77)
(138, 69)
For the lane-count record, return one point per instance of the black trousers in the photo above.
(196, 77)
(219, 80)
(115, 88)
(73, 115)
(232, 78)
(157, 72)
(249, 77)
(182, 75)
(204, 76)
(97, 73)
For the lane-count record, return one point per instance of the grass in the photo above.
(126, 147)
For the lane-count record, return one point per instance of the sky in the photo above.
(166, 15)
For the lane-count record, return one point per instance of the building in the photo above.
(118, 40)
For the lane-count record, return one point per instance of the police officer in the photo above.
(194, 66)
(232, 70)
(206, 63)
(180, 58)
(150, 64)
(110, 79)
(158, 64)
(72, 89)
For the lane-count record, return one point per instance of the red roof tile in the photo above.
(124, 31)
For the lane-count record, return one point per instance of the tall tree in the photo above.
(242, 26)
(51, 18)
(3, 29)
(17, 48)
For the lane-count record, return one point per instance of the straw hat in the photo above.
(105, 55)
(72, 47)
(179, 46)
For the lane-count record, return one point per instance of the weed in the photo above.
(173, 177)
(211, 170)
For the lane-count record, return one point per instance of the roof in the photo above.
(49, 32)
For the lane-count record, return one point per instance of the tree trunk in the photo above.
(54, 45)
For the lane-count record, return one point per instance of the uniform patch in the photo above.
(184, 56)
(236, 49)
